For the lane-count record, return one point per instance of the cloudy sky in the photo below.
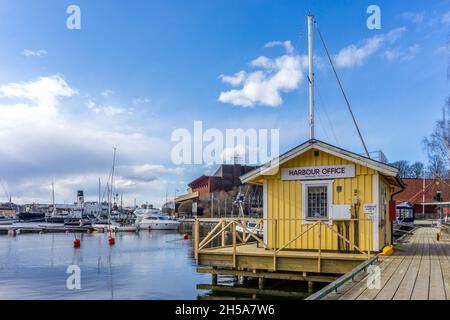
(138, 70)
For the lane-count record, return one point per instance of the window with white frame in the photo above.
(317, 198)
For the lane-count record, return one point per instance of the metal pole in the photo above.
(311, 76)
(423, 195)
(99, 206)
(212, 205)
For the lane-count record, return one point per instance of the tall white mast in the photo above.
(423, 194)
(112, 185)
(311, 76)
(53, 197)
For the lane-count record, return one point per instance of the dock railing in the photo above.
(325, 235)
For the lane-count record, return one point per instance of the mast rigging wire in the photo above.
(342, 90)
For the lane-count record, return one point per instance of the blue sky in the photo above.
(138, 70)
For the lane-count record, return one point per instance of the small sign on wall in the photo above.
(370, 208)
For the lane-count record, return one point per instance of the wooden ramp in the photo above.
(418, 270)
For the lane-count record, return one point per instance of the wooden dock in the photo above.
(418, 270)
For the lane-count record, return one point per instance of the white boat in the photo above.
(114, 227)
(157, 222)
(143, 212)
(251, 227)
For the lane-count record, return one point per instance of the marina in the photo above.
(240, 159)
(33, 266)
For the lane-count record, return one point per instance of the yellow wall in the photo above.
(284, 205)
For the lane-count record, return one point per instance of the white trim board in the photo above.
(376, 216)
(272, 167)
(265, 238)
(305, 184)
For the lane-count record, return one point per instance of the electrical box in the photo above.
(341, 212)
(392, 210)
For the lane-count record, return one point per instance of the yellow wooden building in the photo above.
(318, 182)
(326, 210)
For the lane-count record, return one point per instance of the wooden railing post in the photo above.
(370, 246)
(275, 244)
(196, 238)
(233, 225)
(223, 233)
(320, 247)
(244, 231)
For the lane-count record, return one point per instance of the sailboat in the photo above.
(111, 225)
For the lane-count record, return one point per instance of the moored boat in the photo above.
(157, 222)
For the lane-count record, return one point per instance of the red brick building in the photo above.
(224, 179)
(432, 188)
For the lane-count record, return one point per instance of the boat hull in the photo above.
(164, 225)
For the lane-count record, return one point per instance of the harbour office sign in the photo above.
(319, 172)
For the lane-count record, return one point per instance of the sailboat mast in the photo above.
(311, 76)
(99, 206)
(53, 197)
(112, 184)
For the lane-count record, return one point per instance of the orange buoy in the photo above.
(186, 236)
(111, 241)
(76, 243)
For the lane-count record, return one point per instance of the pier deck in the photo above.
(250, 256)
(418, 270)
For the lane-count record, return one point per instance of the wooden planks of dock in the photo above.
(418, 270)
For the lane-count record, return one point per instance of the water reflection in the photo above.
(147, 265)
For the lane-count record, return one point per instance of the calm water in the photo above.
(147, 265)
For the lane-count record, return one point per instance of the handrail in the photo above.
(342, 280)
(225, 223)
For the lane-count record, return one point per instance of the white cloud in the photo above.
(415, 17)
(146, 172)
(234, 80)
(286, 44)
(265, 86)
(34, 53)
(356, 55)
(397, 53)
(43, 140)
(106, 92)
(107, 110)
(138, 101)
(43, 92)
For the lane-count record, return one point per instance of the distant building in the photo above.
(435, 191)
(8, 209)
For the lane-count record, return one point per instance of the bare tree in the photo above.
(416, 170)
(403, 168)
(437, 145)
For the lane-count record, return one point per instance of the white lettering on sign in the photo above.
(369, 208)
(321, 172)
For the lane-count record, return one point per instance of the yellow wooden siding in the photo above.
(284, 206)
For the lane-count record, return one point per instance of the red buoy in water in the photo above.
(76, 243)
(186, 236)
(111, 241)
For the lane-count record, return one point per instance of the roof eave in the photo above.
(272, 166)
